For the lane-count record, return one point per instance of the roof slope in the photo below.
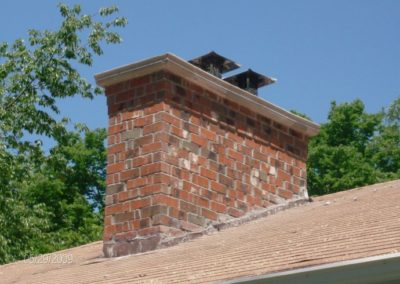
(342, 226)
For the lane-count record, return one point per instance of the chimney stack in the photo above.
(189, 153)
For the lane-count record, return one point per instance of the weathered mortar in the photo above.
(183, 160)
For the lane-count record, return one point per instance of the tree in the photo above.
(384, 149)
(354, 148)
(50, 201)
(303, 115)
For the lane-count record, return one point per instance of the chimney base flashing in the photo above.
(171, 237)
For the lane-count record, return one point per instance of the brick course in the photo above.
(182, 159)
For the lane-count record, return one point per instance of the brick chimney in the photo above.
(189, 153)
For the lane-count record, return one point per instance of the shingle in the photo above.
(348, 225)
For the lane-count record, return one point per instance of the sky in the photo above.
(319, 51)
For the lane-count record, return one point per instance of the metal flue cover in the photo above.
(250, 81)
(214, 63)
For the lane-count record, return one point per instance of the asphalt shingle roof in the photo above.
(353, 224)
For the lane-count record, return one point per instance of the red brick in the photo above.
(166, 200)
(140, 161)
(184, 195)
(135, 224)
(140, 81)
(187, 185)
(137, 182)
(153, 210)
(124, 96)
(261, 157)
(116, 88)
(114, 129)
(296, 172)
(110, 179)
(112, 209)
(140, 203)
(129, 174)
(107, 220)
(161, 178)
(201, 181)
(227, 181)
(153, 168)
(195, 120)
(123, 196)
(234, 174)
(111, 140)
(128, 115)
(192, 128)
(177, 214)
(246, 150)
(186, 226)
(296, 189)
(153, 147)
(187, 207)
(201, 201)
(234, 137)
(235, 212)
(155, 127)
(143, 121)
(167, 138)
(161, 219)
(285, 193)
(154, 108)
(109, 232)
(208, 134)
(144, 140)
(144, 223)
(226, 161)
(177, 132)
(116, 148)
(218, 187)
(115, 168)
(235, 155)
(208, 174)
(218, 207)
(166, 117)
(283, 175)
(201, 141)
(209, 214)
(133, 193)
(153, 189)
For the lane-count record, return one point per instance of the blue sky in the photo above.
(319, 51)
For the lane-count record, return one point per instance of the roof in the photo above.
(349, 225)
(190, 72)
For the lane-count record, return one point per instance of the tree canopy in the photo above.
(354, 148)
(51, 200)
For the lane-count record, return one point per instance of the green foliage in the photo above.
(35, 74)
(303, 115)
(58, 203)
(384, 149)
(354, 148)
(51, 201)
